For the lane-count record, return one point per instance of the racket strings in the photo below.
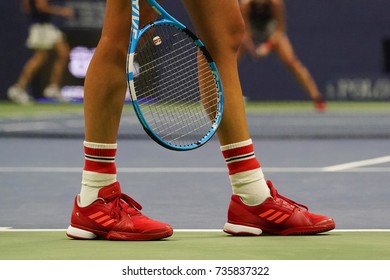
(166, 57)
(182, 102)
(164, 82)
(175, 86)
(186, 88)
(191, 47)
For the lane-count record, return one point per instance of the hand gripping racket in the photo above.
(174, 84)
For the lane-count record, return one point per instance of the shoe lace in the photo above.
(123, 202)
(287, 200)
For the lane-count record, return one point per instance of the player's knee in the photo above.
(39, 58)
(117, 46)
(236, 33)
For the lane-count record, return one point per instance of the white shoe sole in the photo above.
(241, 230)
(79, 233)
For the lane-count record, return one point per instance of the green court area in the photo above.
(198, 245)
(307, 106)
(8, 109)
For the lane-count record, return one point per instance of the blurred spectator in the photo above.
(43, 37)
(266, 32)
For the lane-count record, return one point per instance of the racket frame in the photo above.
(135, 34)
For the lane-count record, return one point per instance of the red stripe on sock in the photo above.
(243, 164)
(100, 165)
(238, 151)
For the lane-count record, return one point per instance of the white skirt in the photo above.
(43, 36)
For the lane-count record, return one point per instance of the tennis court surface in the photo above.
(337, 163)
(198, 245)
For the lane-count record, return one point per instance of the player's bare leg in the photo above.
(105, 88)
(209, 20)
(53, 89)
(17, 92)
(286, 53)
(254, 201)
(31, 67)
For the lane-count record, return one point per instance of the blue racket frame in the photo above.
(136, 33)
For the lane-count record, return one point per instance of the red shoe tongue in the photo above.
(272, 189)
(110, 191)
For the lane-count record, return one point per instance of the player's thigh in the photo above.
(217, 21)
(117, 22)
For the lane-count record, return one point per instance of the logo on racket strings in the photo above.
(157, 40)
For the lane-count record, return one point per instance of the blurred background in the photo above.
(345, 45)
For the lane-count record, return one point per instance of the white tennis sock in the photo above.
(245, 173)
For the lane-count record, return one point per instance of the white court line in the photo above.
(39, 125)
(156, 169)
(334, 168)
(5, 228)
(10, 229)
(355, 164)
(363, 170)
(121, 170)
(39, 169)
(151, 169)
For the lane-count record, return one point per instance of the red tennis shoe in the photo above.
(114, 216)
(276, 215)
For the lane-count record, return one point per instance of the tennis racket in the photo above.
(174, 84)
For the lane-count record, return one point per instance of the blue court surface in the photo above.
(337, 163)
